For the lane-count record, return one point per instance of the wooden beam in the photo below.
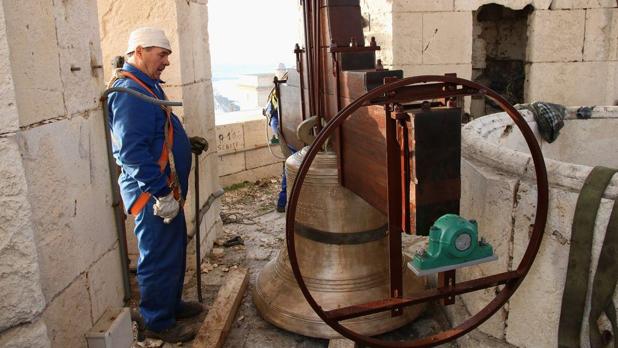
(217, 324)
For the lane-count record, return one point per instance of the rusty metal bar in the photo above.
(356, 49)
(404, 154)
(447, 280)
(360, 310)
(394, 208)
(511, 280)
(300, 69)
(423, 92)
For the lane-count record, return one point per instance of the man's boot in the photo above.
(189, 309)
(180, 332)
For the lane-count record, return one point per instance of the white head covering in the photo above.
(148, 37)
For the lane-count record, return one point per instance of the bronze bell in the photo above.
(342, 248)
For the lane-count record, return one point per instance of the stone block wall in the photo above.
(570, 54)
(242, 148)
(59, 259)
(187, 79)
(61, 266)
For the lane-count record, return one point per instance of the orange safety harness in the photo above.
(166, 153)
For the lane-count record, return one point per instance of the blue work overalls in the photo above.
(137, 140)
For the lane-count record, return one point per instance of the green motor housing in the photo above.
(453, 243)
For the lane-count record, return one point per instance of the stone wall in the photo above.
(61, 239)
(22, 297)
(187, 79)
(242, 148)
(570, 56)
(499, 191)
(59, 258)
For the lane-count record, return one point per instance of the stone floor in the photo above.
(247, 212)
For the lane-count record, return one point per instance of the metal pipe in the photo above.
(198, 240)
(121, 230)
(138, 95)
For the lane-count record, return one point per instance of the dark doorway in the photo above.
(499, 52)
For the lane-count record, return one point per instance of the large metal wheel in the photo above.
(510, 280)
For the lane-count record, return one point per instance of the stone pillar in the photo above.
(187, 79)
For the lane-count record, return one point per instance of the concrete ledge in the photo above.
(242, 148)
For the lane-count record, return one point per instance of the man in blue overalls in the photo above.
(154, 152)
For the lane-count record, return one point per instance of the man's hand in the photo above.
(166, 207)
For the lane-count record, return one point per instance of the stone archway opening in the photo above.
(499, 54)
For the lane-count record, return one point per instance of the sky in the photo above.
(253, 32)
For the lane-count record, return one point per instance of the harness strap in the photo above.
(166, 152)
(574, 295)
(605, 283)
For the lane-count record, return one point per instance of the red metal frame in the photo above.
(400, 91)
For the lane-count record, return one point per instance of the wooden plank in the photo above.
(341, 343)
(217, 324)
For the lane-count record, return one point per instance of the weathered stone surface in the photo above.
(487, 197)
(27, 336)
(422, 5)
(230, 138)
(262, 157)
(534, 310)
(473, 5)
(200, 43)
(586, 152)
(22, 299)
(579, 83)
(30, 32)
(9, 122)
(257, 133)
(105, 283)
(601, 39)
(68, 316)
(573, 4)
(231, 163)
(379, 14)
(447, 38)
(407, 40)
(70, 194)
(199, 114)
(118, 18)
(78, 36)
(555, 36)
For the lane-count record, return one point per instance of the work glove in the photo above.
(166, 207)
(198, 145)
